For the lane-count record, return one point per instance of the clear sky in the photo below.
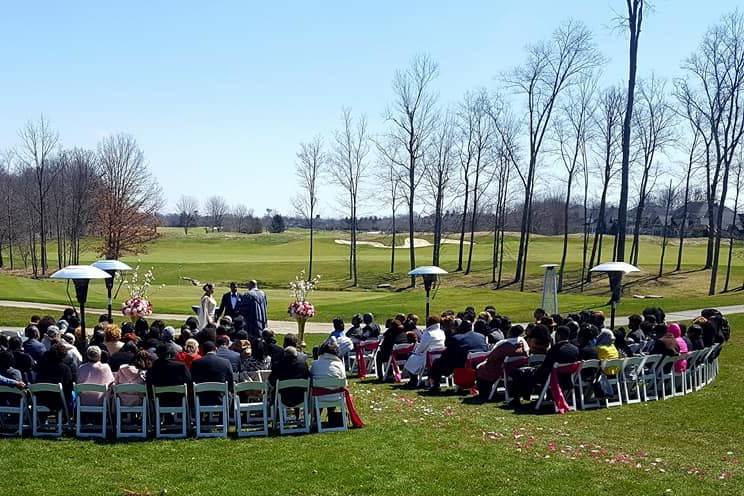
(219, 94)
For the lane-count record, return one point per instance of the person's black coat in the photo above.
(252, 307)
(459, 345)
(226, 307)
(290, 367)
(53, 371)
(35, 348)
(562, 352)
(274, 351)
(116, 360)
(391, 337)
(232, 357)
(212, 368)
(25, 364)
(165, 372)
(371, 331)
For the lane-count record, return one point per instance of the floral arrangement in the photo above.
(138, 304)
(301, 309)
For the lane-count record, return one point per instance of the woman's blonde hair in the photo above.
(191, 346)
(112, 332)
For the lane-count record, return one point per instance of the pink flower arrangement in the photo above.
(136, 307)
(140, 288)
(301, 310)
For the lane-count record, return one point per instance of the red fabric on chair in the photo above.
(356, 420)
(361, 359)
(399, 354)
(561, 406)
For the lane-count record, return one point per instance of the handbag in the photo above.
(464, 377)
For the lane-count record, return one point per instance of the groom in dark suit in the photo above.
(252, 307)
(230, 302)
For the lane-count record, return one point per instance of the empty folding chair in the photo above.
(585, 380)
(665, 374)
(251, 402)
(131, 405)
(97, 412)
(649, 378)
(632, 374)
(327, 392)
(292, 417)
(210, 413)
(560, 369)
(612, 376)
(59, 416)
(178, 412)
(13, 410)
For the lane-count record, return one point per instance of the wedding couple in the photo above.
(251, 306)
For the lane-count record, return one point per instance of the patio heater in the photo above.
(615, 272)
(430, 274)
(549, 301)
(111, 267)
(80, 275)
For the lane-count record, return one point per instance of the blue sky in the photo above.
(219, 94)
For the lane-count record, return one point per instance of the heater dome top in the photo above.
(80, 272)
(427, 270)
(111, 265)
(623, 267)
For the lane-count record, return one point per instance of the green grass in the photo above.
(416, 444)
(275, 259)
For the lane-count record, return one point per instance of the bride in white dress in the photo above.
(207, 306)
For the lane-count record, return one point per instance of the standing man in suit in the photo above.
(212, 368)
(253, 308)
(230, 302)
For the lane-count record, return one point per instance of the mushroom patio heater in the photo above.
(111, 267)
(615, 272)
(80, 275)
(430, 274)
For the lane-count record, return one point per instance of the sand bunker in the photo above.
(417, 243)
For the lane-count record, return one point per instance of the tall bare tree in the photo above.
(216, 208)
(82, 178)
(311, 160)
(733, 230)
(693, 151)
(633, 22)
(348, 166)
(552, 66)
(440, 175)
(667, 199)
(38, 142)
(411, 119)
(188, 212)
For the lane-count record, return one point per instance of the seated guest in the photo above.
(683, 329)
(676, 331)
(291, 340)
(586, 342)
(134, 372)
(493, 368)
(212, 368)
(166, 336)
(606, 345)
(355, 332)
(253, 359)
(273, 350)
(371, 329)
(695, 335)
(665, 343)
(224, 351)
(456, 352)
(51, 336)
(113, 339)
(538, 339)
(166, 371)
(344, 343)
(527, 379)
(634, 328)
(538, 315)
(122, 357)
(23, 361)
(32, 345)
(54, 370)
(99, 339)
(395, 334)
(7, 368)
(190, 352)
(431, 339)
(622, 344)
(481, 327)
(94, 372)
(329, 363)
(292, 365)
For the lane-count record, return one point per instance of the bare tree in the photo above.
(653, 123)
(348, 166)
(38, 141)
(310, 163)
(732, 228)
(240, 215)
(440, 175)
(188, 212)
(692, 158)
(387, 175)
(411, 119)
(128, 200)
(571, 133)
(8, 227)
(633, 22)
(216, 208)
(667, 199)
(82, 178)
(551, 67)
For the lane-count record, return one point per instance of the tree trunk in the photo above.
(565, 233)
(599, 232)
(310, 261)
(392, 248)
(719, 221)
(526, 218)
(473, 216)
(732, 232)
(683, 223)
(463, 224)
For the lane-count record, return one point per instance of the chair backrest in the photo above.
(632, 364)
(534, 360)
(592, 364)
(567, 368)
(329, 383)
(636, 347)
(210, 387)
(180, 389)
(140, 389)
(615, 363)
(513, 362)
(292, 383)
(250, 386)
(90, 388)
(667, 362)
(403, 346)
(45, 387)
(11, 390)
(369, 345)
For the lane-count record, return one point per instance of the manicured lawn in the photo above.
(417, 444)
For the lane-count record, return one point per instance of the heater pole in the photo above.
(428, 289)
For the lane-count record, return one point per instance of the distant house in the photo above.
(697, 217)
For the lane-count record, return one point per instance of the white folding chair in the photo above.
(256, 411)
(292, 422)
(431, 355)
(10, 411)
(263, 375)
(368, 353)
(330, 400)
(612, 375)
(179, 413)
(585, 380)
(680, 378)
(60, 416)
(100, 410)
(632, 374)
(543, 398)
(649, 377)
(535, 360)
(399, 362)
(510, 363)
(217, 416)
(136, 412)
(665, 373)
